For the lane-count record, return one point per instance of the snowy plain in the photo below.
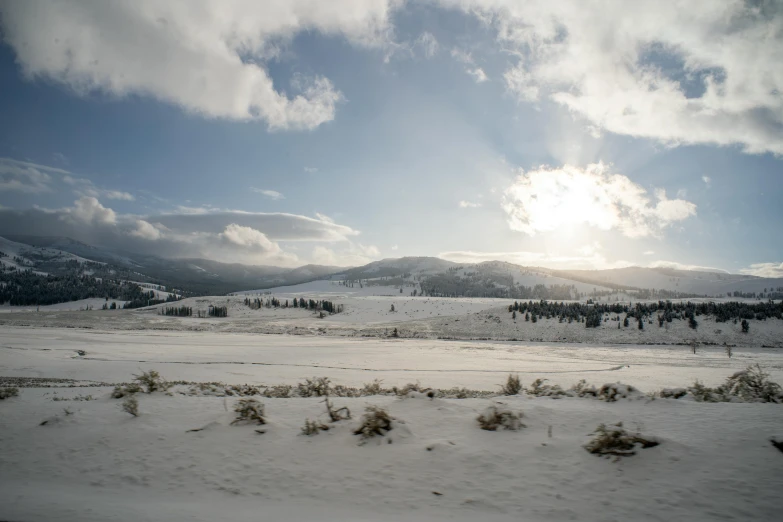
(95, 462)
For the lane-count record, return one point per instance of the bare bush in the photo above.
(539, 389)
(375, 422)
(613, 391)
(8, 392)
(315, 387)
(372, 388)
(152, 381)
(126, 390)
(614, 440)
(410, 387)
(281, 391)
(582, 389)
(131, 405)
(672, 393)
(498, 416)
(313, 427)
(753, 385)
(512, 386)
(750, 385)
(338, 414)
(249, 410)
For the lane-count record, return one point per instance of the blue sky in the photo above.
(289, 132)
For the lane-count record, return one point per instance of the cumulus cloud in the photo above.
(146, 230)
(220, 235)
(468, 204)
(271, 194)
(21, 176)
(550, 198)
(764, 270)
(697, 72)
(88, 210)
(207, 59)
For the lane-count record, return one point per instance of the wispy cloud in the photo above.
(21, 176)
(427, 43)
(764, 270)
(311, 170)
(468, 204)
(707, 180)
(271, 194)
(466, 58)
(85, 187)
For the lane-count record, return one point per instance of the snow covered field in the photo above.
(97, 463)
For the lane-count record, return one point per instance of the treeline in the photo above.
(181, 311)
(483, 284)
(663, 311)
(309, 304)
(27, 288)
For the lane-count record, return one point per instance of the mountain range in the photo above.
(47, 254)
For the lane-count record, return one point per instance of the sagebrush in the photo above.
(249, 410)
(615, 440)
(498, 416)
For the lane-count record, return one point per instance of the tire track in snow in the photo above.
(327, 367)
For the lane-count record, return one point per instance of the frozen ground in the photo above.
(97, 463)
(112, 356)
(414, 317)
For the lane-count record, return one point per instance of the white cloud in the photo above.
(764, 270)
(207, 59)
(467, 58)
(88, 188)
(395, 247)
(324, 217)
(21, 176)
(550, 198)
(145, 230)
(351, 255)
(271, 194)
(697, 72)
(311, 170)
(682, 266)
(88, 210)
(589, 259)
(649, 253)
(220, 235)
(477, 74)
(707, 181)
(468, 204)
(428, 44)
(248, 237)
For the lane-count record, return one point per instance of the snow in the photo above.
(98, 463)
(95, 303)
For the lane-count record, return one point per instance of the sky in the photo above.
(564, 134)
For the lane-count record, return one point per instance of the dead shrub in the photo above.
(499, 416)
(375, 422)
(672, 393)
(311, 428)
(126, 390)
(512, 386)
(315, 387)
(338, 414)
(249, 410)
(614, 391)
(281, 391)
(131, 405)
(372, 388)
(539, 389)
(8, 392)
(614, 440)
(152, 381)
(582, 389)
